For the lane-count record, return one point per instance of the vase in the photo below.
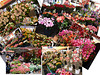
(77, 71)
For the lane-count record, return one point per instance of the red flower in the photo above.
(44, 5)
(39, 53)
(5, 29)
(10, 27)
(51, 7)
(60, 19)
(55, 15)
(69, 6)
(59, 5)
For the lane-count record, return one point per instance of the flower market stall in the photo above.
(18, 15)
(23, 60)
(61, 60)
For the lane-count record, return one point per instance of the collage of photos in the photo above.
(58, 38)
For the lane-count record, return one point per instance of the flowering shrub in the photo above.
(67, 36)
(91, 14)
(69, 6)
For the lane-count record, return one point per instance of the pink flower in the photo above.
(60, 19)
(48, 22)
(92, 28)
(27, 64)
